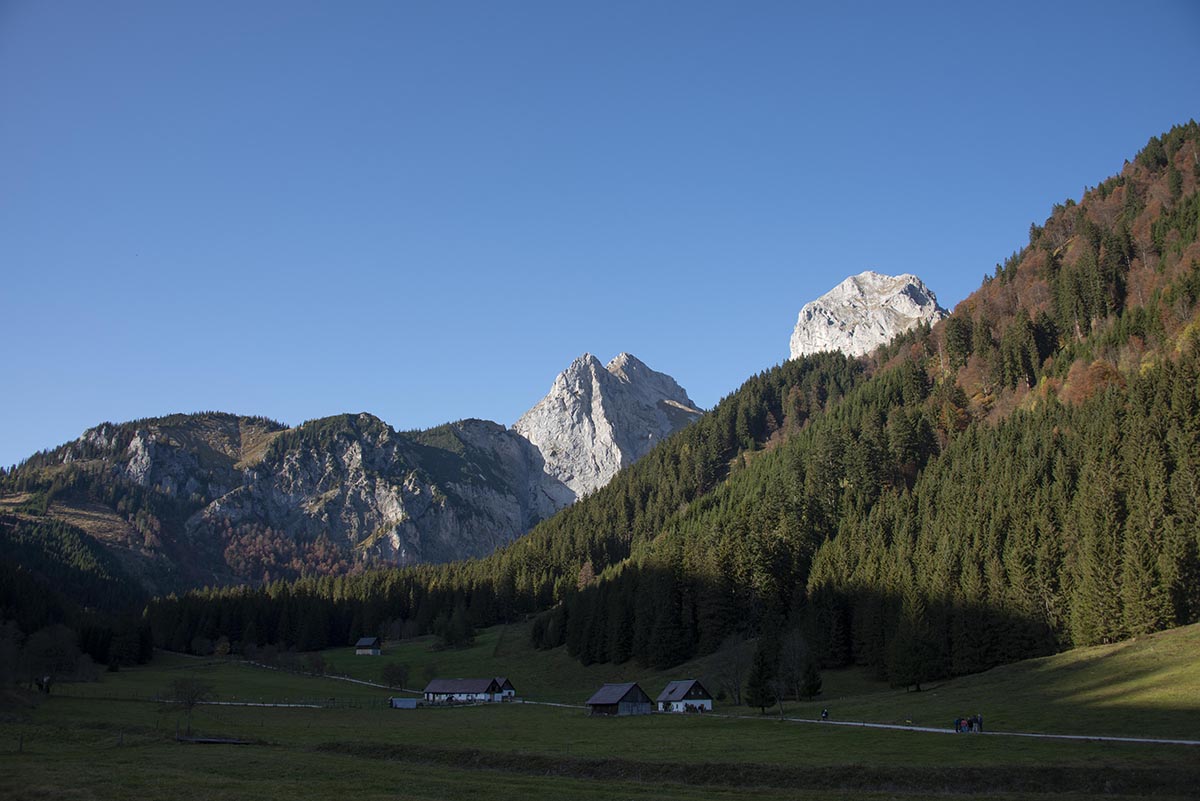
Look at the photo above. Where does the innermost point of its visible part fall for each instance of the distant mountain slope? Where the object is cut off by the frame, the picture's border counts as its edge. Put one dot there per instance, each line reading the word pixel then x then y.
pixel 1020 477
pixel 213 498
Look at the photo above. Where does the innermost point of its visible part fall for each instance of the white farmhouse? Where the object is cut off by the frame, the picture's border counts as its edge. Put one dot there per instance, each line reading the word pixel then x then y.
pixel 463 691
pixel 686 695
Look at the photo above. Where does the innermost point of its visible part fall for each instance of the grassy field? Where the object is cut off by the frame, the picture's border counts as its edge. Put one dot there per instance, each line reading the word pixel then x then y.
pixel 108 740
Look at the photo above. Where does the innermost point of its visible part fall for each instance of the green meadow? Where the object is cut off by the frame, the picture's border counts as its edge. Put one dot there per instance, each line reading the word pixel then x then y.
pixel 111 740
pixel 1148 687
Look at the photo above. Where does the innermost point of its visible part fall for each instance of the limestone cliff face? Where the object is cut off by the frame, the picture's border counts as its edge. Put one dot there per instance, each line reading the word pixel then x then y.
pixel 353 485
pixel 598 419
pixel 862 313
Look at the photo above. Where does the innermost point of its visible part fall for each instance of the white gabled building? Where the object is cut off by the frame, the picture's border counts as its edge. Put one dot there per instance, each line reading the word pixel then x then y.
pixel 687 695
pixel 462 691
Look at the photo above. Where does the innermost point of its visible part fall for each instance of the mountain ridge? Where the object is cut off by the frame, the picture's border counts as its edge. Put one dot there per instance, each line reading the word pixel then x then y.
pixel 231 498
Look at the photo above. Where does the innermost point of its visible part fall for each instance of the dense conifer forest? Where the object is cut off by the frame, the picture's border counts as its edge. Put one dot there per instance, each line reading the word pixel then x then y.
pixel 1021 478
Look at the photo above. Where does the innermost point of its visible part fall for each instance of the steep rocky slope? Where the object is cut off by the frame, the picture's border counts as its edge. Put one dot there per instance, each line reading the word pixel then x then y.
pixel 597 419
pixel 350 489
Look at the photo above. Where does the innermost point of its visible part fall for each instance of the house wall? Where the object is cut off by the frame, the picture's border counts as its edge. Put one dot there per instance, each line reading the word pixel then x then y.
pixel 699 704
pixel 460 698
pixel 633 708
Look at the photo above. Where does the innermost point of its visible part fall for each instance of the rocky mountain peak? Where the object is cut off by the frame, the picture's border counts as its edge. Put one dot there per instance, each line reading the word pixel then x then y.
pixel 864 312
pixel 597 419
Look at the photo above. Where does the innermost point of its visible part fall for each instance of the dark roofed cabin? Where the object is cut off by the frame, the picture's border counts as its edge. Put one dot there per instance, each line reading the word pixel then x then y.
pixel 686 695
pixel 462 691
pixel 620 699
pixel 367 646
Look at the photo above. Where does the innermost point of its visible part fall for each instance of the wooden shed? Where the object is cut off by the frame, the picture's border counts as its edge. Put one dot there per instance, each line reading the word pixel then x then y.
pixel 368 646
pixel 685 695
pixel 620 699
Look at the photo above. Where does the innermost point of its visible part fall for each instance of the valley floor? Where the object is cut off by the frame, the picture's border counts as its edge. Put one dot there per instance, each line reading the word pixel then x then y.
pixel 111 740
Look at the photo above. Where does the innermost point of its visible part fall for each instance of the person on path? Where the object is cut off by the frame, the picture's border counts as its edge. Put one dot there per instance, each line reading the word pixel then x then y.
pixel 825 713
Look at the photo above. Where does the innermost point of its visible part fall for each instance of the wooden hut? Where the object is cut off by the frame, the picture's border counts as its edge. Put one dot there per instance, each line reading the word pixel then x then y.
pixel 368 646
pixel 685 695
pixel 620 699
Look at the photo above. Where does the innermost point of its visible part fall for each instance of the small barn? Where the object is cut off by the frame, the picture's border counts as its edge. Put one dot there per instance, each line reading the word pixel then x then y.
pixel 462 691
pixel 620 699
pixel 402 703
pixel 507 690
pixel 685 695
pixel 368 646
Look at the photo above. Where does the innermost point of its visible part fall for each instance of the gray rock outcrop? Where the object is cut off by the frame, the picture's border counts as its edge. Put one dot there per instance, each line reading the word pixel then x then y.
pixel 863 312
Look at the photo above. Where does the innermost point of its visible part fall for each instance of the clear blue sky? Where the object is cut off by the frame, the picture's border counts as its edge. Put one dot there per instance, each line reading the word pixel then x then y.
pixel 425 210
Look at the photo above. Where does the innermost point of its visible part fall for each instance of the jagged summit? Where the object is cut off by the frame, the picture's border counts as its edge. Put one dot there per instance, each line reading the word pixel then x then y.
pixel 864 312
pixel 597 419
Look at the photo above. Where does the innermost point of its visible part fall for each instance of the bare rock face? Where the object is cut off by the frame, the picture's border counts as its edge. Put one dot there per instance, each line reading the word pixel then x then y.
pixel 862 313
pixel 597 419
pixel 377 496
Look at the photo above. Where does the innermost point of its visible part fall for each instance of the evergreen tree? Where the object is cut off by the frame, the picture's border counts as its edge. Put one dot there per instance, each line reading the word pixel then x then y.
pixel 760 684
pixel 810 683
pixel 913 652
pixel 1146 601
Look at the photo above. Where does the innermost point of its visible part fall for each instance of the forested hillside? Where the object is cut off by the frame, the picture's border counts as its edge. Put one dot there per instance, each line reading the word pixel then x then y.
pixel 1020 478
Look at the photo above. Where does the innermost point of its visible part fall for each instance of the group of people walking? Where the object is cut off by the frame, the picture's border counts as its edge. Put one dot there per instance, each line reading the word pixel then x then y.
pixel 972 724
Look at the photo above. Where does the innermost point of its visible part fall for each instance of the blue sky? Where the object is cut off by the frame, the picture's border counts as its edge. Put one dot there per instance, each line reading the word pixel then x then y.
pixel 427 210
